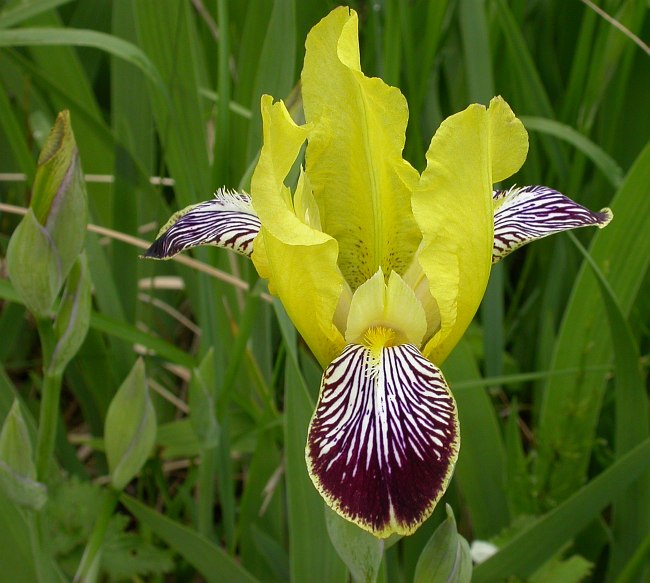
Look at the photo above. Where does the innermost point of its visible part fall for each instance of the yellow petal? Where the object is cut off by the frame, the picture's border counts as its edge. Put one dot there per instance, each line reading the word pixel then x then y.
pixel 305 203
pixel 299 261
pixel 453 207
pixel 308 283
pixel 392 306
pixel 508 140
pixel 354 158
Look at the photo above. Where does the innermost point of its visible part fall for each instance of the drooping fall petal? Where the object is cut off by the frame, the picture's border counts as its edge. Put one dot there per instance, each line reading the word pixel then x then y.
pixel 228 220
pixel 525 214
pixel 384 438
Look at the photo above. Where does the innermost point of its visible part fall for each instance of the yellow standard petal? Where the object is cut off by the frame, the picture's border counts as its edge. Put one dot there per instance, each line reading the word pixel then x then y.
pixel 453 207
pixel 299 261
pixel 354 158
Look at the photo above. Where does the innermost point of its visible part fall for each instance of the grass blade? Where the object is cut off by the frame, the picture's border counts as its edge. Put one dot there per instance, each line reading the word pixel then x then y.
pixel 480 469
pixel 83 38
pixel 571 405
pixel 209 559
pixel 631 513
pixel 603 161
pixel 312 557
pixel 527 551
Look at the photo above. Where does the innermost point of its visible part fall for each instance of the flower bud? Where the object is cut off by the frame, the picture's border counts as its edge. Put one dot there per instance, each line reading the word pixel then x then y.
pixel 49 238
pixel 73 316
pixel 361 551
pixel 130 428
pixel 17 470
pixel 446 555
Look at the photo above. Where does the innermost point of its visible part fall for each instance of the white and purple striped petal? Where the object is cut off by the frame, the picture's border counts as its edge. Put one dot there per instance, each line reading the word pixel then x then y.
pixel 384 438
pixel 228 220
pixel 532 212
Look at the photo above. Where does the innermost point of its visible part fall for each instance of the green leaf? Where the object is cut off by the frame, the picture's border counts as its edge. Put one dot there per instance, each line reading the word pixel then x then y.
pixel 209 559
pixel 132 335
pixel 571 570
pixel 202 402
pixel 519 487
pixel 22 37
pixel 14 135
pixel 446 556
pixel 536 544
pixel 16 556
pixel 312 557
pixel 631 514
pixel 126 555
pixel 276 66
pixel 26 10
pixel 359 550
pixel 603 161
pixel 572 403
pixel 181 127
pixel 480 469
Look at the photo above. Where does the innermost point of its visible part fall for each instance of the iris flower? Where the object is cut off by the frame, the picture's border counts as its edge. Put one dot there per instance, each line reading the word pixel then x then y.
pixel 380 268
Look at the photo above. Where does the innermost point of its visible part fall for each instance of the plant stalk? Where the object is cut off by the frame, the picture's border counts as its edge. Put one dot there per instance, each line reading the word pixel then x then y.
pixel 50 397
pixel 91 552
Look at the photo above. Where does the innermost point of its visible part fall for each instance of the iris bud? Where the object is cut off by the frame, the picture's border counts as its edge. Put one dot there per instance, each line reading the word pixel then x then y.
pixel 50 237
pixel 446 557
pixel 130 428
pixel 17 469
pixel 73 316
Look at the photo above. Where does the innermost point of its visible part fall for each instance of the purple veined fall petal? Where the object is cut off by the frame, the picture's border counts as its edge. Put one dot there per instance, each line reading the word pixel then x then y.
pixel 228 220
pixel 384 438
pixel 525 214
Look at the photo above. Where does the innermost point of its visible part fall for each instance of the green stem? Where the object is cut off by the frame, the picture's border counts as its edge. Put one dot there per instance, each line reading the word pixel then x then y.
pixel 205 510
pixel 91 552
pixel 34 523
pixel 50 396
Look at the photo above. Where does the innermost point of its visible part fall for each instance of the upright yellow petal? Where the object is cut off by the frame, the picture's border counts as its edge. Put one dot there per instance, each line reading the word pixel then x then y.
pixel 299 261
pixel 354 160
pixel 508 140
pixel 453 207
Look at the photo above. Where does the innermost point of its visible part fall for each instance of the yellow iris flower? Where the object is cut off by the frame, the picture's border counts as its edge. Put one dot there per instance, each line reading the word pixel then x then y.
pixel 380 268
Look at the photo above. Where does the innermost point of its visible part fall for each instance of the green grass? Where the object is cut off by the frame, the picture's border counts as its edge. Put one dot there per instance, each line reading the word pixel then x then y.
pixel 551 379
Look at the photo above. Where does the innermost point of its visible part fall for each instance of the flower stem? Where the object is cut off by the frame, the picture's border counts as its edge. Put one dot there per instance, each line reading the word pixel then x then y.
pixel 206 485
pixel 91 552
pixel 50 396
pixel 35 526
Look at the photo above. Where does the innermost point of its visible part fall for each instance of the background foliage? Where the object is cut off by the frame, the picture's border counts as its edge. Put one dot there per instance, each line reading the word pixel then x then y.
pixel 551 379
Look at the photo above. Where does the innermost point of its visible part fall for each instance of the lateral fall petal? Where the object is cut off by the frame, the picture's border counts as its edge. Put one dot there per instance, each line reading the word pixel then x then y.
pixel 525 214
pixel 228 220
pixel 384 438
